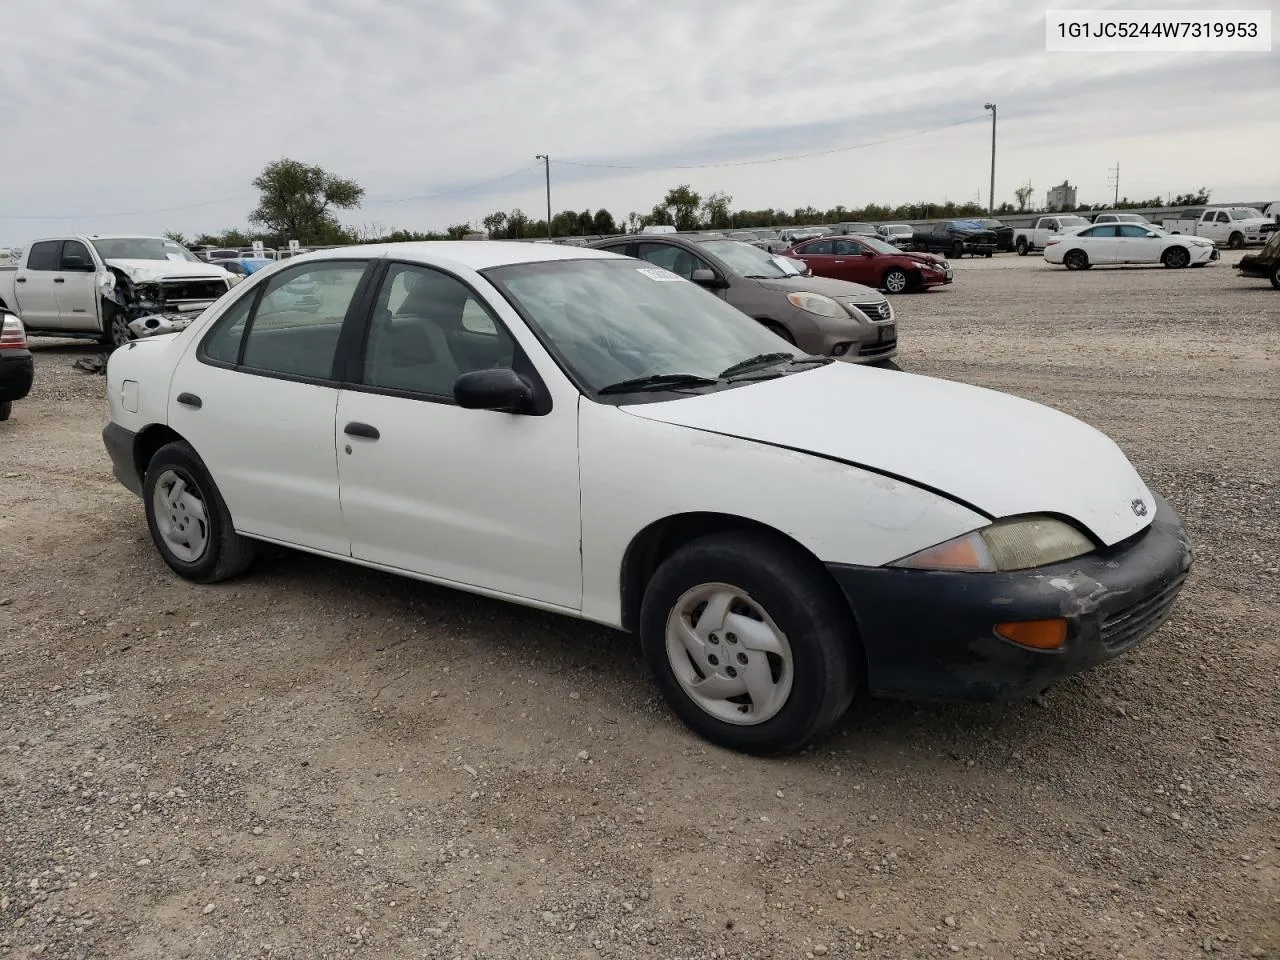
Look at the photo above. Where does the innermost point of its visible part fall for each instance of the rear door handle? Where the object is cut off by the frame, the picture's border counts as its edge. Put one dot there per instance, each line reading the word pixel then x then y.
pixel 190 400
pixel 355 429
pixel 19 279
pixel 59 279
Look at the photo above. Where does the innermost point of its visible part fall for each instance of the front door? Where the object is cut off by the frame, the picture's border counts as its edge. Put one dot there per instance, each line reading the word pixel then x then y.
pixel 257 397
pixel 35 288
pixel 856 262
pixel 1136 246
pixel 76 287
pixel 473 497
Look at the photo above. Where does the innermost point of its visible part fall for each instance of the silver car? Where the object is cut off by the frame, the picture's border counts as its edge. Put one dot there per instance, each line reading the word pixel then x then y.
pixel 823 317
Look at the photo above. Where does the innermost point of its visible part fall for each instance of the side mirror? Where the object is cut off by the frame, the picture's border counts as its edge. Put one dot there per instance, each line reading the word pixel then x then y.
pixel 1152 236
pixel 706 277
pixel 868 253
pixel 499 389
pixel 77 264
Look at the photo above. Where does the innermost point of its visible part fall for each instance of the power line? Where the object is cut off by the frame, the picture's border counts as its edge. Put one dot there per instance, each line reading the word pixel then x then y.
pixel 749 163
pixel 449 193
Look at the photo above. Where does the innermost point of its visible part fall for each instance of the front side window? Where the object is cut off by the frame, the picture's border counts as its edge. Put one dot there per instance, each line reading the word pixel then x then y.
pixel 75 256
pixel 1107 230
pixel 293 329
pixel 428 329
pixel 1132 230
pixel 1222 217
pixel 44 255
pixel 671 257
pixel 614 320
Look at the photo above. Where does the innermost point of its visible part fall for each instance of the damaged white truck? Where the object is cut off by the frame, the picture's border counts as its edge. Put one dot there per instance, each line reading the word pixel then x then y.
pixel 110 288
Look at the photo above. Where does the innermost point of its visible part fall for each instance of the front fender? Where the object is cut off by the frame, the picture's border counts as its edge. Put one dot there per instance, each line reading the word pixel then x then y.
pixel 636 471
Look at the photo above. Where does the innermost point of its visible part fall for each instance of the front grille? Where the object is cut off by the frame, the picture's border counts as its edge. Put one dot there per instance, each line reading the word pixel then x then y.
pixel 875 349
pixel 878 311
pixel 176 291
pixel 1130 624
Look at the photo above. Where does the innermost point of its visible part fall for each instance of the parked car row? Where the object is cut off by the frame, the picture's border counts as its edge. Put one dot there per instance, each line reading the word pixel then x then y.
pixel 606 437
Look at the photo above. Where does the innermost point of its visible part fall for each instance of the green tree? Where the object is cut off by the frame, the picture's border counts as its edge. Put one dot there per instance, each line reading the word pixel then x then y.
pixel 603 224
pixel 1023 193
pixel 683 202
pixel 716 213
pixel 519 226
pixel 496 224
pixel 297 201
pixel 176 237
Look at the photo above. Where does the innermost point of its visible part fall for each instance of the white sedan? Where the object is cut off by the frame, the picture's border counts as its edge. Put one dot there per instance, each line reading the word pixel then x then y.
pixel 594 435
pixel 1128 243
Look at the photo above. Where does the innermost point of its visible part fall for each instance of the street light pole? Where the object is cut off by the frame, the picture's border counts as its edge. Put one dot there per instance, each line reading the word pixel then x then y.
pixel 546 162
pixel 991 197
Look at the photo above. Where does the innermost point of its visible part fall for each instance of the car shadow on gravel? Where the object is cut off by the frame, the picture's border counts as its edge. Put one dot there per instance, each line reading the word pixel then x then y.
pixel 577 655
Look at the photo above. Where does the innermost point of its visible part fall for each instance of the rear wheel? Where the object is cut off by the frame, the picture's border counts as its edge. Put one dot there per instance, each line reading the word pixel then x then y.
pixel 957 250
pixel 748 642
pixel 896 280
pixel 1022 247
pixel 1236 241
pixel 1076 260
pixel 1176 257
pixel 189 522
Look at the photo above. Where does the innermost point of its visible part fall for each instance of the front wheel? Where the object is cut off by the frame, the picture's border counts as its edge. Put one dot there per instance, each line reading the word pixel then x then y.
pixel 1176 257
pixel 780 330
pixel 189 522
pixel 1076 260
pixel 1022 247
pixel 117 333
pixel 747 641
pixel 1275 278
pixel 896 280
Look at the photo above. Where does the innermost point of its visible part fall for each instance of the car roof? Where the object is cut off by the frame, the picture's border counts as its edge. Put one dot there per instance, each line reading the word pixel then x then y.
pixel 475 254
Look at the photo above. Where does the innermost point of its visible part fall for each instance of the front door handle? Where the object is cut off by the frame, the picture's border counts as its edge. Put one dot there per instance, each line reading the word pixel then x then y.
pixel 59 279
pixel 355 429
pixel 190 400
pixel 19 279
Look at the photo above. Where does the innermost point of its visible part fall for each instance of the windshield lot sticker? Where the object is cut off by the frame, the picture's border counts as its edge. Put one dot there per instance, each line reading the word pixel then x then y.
pixel 657 273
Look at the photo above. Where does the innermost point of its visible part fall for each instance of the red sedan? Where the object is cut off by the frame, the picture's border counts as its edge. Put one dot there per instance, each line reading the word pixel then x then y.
pixel 873 263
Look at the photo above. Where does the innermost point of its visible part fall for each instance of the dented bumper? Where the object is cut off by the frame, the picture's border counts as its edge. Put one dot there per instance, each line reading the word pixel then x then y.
pixel 931 635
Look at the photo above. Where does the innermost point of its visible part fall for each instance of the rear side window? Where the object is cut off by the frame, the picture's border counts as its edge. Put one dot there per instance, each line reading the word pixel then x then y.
pixel 819 248
pixel 294 329
pixel 44 255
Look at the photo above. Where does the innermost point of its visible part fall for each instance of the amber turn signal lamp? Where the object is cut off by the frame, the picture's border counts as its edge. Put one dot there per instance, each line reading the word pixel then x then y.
pixel 1037 634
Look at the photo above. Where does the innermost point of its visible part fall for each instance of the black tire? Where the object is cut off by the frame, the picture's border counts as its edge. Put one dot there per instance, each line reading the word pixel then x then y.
pixel 1176 258
pixel 957 250
pixel 1022 247
pixel 1236 241
pixel 117 333
pixel 989 254
pixel 226 552
pixel 792 590
pixel 6 408
pixel 1076 260
pixel 780 330
pixel 896 280
pixel 1275 278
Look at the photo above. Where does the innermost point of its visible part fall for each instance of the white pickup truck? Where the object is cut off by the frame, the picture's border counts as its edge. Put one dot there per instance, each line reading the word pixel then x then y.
pixel 1233 227
pixel 1036 237
pixel 77 286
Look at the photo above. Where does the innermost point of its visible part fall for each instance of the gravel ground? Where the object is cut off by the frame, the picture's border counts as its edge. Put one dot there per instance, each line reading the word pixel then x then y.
pixel 322 761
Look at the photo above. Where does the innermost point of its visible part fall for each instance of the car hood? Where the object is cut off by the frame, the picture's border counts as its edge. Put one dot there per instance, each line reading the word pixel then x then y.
pixel 843 289
pixel 147 271
pixel 998 453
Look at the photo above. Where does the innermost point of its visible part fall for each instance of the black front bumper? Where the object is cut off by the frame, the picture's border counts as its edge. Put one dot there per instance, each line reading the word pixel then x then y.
pixel 16 373
pixel 120 447
pixel 931 635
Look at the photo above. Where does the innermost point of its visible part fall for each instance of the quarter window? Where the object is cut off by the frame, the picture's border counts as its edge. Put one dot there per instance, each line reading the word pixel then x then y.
pixel 428 329
pixel 223 344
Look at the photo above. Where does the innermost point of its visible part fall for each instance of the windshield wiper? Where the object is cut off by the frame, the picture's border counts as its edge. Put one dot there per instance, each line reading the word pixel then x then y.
pixel 658 381
pixel 759 360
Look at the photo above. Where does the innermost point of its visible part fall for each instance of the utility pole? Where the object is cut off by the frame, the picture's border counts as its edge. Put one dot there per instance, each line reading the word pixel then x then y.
pixel 1113 178
pixel 991 197
pixel 546 163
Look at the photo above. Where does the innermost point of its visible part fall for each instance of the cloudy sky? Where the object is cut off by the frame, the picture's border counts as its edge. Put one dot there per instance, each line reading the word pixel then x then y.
pixel 149 115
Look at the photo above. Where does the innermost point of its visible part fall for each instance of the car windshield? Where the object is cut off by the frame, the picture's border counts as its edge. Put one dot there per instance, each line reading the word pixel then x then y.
pixel 612 320
pixel 899 228
pixel 744 259
pixel 968 225
pixel 860 228
pixel 1073 222
pixel 767 234
pixel 142 248
pixel 1245 213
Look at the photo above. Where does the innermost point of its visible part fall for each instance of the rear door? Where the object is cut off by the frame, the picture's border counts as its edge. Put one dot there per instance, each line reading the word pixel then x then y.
pixel 35 285
pixel 76 286
pixel 257 397
pixel 821 258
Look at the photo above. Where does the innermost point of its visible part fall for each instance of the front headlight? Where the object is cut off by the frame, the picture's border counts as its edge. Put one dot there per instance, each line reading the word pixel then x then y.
pixel 817 304
pixel 1015 544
